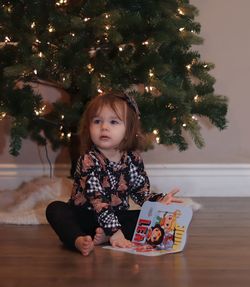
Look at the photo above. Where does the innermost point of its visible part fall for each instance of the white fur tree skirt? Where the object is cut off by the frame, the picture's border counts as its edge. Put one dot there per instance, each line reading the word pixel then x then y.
pixel 27 203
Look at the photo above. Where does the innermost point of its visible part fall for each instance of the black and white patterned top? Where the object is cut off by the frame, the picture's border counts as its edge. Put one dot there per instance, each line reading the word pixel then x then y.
pixel 105 186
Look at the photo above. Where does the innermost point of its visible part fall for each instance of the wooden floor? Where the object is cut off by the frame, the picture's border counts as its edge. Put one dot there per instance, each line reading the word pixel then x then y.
pixel 217 254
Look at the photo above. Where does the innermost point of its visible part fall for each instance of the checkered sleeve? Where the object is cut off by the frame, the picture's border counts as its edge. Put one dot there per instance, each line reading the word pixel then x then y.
pixel 105 215
pixel 140 188
pixel 88 187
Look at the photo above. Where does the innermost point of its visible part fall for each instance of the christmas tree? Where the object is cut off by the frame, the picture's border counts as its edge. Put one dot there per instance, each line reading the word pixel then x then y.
pixel 87 47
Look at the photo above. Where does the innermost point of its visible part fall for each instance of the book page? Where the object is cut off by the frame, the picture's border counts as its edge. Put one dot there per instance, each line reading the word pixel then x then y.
pixel 161 229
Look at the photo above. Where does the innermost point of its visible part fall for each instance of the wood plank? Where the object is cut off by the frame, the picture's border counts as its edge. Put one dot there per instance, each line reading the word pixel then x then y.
pixel 217 254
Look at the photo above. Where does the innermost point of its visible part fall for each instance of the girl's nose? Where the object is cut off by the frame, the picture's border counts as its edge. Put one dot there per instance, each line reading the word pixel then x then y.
pixel 104 126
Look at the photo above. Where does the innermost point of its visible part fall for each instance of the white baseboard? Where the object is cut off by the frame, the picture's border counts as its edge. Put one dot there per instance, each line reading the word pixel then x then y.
pixel 202 179
pixel 193 179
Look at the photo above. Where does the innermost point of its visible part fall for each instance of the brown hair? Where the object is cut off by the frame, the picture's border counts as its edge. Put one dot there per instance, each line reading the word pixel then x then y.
pixel 133 139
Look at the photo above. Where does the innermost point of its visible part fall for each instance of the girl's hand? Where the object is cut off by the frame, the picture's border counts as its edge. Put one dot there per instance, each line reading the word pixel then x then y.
pixel 170 198
pixel 118 240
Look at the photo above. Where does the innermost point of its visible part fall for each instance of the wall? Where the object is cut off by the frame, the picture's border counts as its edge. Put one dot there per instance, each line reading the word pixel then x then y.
pixel 225 29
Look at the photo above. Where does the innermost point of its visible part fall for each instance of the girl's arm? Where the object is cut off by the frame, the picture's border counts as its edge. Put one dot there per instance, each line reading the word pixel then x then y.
pixel 141 188
pixel 87 189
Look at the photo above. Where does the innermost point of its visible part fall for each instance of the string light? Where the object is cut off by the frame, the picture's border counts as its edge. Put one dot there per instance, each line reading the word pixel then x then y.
pixel 145 43
pixel 86 19
pixel 157 139
pixel 2 115
pixel 107 27
pixel 39 111
pixel 51 28
pixel 180 11
pixel 150 88
pixel 90 68
pixel 33 25
pixel 151 74
pixel 7 39
pixel 9 9
pixel 61 2
pixel 189 66
pixel 99 91
pixel 184 125
pixel 40 54
pixel 197 98
pixel 194 118
pixel 120 49
pixel 181 29
pixel 170 106
pixel 35 71
pixel 155 132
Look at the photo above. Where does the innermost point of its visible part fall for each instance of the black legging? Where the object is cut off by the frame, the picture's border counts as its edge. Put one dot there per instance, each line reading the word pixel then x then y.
pixel 69 222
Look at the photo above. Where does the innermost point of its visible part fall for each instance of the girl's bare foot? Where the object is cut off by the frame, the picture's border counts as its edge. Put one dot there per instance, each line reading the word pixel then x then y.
pixel 100 236
pixel 84 244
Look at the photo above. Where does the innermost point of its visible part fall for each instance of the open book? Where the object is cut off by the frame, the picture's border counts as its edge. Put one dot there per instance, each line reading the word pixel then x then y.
pixel 160 229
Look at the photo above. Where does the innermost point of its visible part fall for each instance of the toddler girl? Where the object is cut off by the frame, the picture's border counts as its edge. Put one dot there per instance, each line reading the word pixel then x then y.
pixel 109 171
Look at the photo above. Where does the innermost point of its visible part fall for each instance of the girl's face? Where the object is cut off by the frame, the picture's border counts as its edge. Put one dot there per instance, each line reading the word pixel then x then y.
pixel 107 128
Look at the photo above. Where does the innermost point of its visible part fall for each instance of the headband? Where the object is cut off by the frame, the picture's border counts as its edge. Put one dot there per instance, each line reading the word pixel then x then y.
pixel 131 102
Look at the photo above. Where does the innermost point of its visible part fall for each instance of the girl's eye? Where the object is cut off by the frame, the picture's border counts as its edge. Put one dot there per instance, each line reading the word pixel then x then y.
pixel 114 122
pixel 96 121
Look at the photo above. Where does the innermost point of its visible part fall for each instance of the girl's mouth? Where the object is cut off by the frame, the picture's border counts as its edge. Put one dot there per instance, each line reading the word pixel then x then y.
pixel 104 137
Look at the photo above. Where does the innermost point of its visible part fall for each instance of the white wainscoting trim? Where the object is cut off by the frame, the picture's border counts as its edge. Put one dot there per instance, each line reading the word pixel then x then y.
pixel 192 179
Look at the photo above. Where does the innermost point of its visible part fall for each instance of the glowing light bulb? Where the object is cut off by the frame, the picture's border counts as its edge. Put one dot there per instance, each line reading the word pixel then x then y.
pixel 180 11
pixel 90 68
pixel 157 139
pixel 2 115
pixel 33 25
pixel 196 98
pixel 6 39
pixel 155 132
pixel 181 29
pixel 151 74
pixel 51 29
